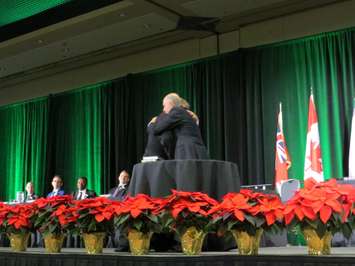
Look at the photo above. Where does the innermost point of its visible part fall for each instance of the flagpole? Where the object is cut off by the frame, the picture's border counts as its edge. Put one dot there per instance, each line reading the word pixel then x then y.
pixel 278 117
pixel 352 145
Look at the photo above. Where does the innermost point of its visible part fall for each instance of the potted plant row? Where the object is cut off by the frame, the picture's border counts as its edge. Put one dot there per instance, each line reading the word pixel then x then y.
pixel 320 209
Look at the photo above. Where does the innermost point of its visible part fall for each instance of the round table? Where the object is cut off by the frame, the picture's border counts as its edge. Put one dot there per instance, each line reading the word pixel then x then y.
pixel 216 178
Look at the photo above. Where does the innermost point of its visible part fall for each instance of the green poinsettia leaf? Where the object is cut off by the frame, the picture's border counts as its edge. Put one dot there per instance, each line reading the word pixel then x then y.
pixel 230 225
pixel 138 225
pixel 92 226
pixel 250 219
pixel 321 229
pixel 259 221
pixel 153 218
pixel 121 220
pixel 346 230
pixel 313 224
pixel 83 215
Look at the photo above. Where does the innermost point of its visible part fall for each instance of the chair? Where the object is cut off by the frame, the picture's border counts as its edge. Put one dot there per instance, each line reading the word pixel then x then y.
pixel 288 188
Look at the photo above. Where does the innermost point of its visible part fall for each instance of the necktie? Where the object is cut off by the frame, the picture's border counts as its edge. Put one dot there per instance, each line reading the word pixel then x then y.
pixel 80 195
pixel 114 195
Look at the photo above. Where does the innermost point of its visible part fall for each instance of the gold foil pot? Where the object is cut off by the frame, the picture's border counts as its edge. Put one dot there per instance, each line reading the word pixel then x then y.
pixel 247 244
pixel 317 245
pixel 53 243
pixel 192 240
pixel 139 242
pixel 94 242
pixel 19 241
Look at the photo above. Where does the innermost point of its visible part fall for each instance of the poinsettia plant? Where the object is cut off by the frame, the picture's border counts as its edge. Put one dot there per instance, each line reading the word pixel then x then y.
pixel 139 213
pixel 249 211
pixel 48 218
pixel 183 209
pixel 322 206
pixel 16 218
pixel 93 215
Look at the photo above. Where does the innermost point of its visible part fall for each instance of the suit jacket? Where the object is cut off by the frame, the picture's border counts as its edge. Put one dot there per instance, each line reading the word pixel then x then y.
pixel 162 145
pixel 189 144
pixel 154 147
pixel 60 193
pixel 31 197
pixel 89 194
pixel 121 193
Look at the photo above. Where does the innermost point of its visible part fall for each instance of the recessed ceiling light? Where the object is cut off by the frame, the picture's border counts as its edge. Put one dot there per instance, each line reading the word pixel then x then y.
pixel 123 14
pixel 40 41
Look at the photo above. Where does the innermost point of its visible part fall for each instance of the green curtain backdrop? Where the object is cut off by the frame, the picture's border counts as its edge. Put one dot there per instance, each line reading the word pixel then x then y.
pixel 99 130
pixel 287 72
pixel 23 142
pixel 75 135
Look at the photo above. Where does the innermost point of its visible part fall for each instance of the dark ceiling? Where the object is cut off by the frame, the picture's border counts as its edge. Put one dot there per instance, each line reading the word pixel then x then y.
pixel 18 17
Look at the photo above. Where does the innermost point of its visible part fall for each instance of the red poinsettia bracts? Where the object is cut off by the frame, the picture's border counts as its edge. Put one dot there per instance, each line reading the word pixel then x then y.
pixel 270 207
pixel 100 208
pixel 140 213
pixel 66 215
pixel 137 205
pixel 319 201
pixel 191 202
pixel 49 216
pixel 16 217
pixel 232 203
pixel 247 203
pixel 52 201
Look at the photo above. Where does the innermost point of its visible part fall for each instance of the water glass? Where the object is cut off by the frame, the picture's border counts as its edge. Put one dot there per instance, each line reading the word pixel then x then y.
pixel 20 196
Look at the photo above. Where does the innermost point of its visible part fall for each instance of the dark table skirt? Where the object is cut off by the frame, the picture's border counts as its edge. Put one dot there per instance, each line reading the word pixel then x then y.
pixel 216 178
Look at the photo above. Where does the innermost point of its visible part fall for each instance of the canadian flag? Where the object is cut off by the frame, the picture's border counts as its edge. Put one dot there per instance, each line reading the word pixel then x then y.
pixel 313 160
pixel 282 158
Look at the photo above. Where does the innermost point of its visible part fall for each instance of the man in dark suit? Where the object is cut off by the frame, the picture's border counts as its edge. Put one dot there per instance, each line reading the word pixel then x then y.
pixel 83 192
pixel 120 191
pixel 189 144
pixel 30 194
pixel 159 145
pixel 57 184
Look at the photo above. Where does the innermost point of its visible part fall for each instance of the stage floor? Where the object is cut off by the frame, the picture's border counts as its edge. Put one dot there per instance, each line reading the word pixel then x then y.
pixel 281 256
pixel 272 251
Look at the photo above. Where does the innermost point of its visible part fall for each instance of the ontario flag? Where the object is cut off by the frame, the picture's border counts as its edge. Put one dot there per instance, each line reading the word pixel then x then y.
pixel 282 158
pixel 313 166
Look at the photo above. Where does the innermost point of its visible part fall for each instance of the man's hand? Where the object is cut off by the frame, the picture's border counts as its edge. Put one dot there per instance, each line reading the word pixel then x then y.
pixel 154 119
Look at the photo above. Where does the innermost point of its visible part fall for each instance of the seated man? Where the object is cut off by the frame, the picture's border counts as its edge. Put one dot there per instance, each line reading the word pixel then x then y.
pixel 30 195
pixel 83 192
pixel 57 184
pixel 120 191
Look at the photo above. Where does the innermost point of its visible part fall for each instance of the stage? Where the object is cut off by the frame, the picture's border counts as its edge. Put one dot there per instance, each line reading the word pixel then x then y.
pixel 267 256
